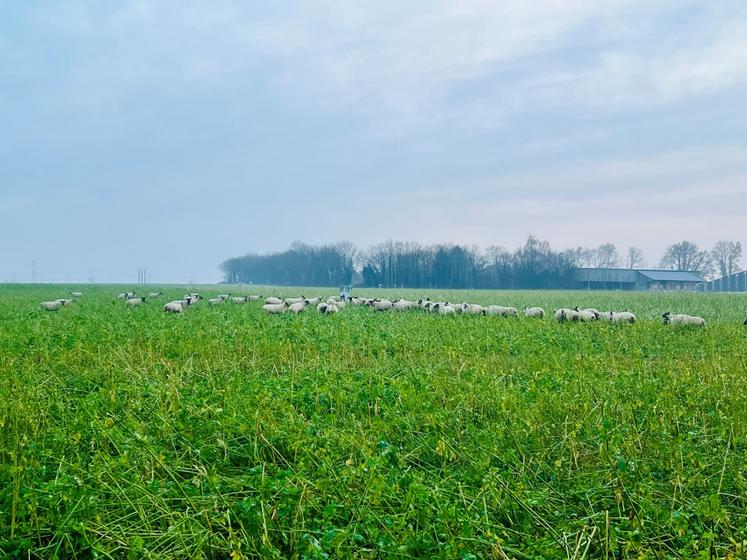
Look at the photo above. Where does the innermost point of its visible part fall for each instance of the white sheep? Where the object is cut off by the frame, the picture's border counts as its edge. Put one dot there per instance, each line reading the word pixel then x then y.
pixel 297 307
pixel 66 301
pixel 534 312
pixel 272 301
pixel 52 305
pixel 134 302
pixel 126 295
pixel 155 295
pixel 215 301
pixel 274 308
pixel 76 294
pixel 401 305
pixel 622 317
pixel 501 311
pixel 327 308
pixel 682 319
pixel 292 300
pixel 474 309
pixel 564 314
pixel 241 299
pixel 444 308
pixel 586 315
pixel 173 307
pixel 381 304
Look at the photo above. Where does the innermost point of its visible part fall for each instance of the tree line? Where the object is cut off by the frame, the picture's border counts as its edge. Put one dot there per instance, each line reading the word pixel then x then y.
pixel 398 264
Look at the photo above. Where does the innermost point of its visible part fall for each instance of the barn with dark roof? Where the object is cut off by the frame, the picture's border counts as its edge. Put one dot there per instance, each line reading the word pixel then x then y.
pixel 631 279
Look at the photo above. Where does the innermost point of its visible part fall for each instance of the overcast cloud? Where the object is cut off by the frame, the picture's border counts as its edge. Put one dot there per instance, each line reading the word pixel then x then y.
pixel 172 135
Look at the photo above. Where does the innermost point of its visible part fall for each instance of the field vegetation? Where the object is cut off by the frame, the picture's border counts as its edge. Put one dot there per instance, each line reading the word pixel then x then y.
pixel 228 433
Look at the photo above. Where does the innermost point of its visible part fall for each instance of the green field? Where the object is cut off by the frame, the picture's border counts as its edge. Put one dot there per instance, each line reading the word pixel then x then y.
pixel 229 433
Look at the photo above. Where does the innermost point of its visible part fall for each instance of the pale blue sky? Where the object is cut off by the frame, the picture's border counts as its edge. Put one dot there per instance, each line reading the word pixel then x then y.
pixel 171 135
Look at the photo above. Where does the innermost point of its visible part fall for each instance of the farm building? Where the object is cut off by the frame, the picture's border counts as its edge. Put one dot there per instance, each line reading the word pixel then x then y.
pixel 734 283
pixel 630 279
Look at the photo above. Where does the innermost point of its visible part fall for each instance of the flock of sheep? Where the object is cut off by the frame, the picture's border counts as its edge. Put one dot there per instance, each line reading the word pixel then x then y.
pixel 296 305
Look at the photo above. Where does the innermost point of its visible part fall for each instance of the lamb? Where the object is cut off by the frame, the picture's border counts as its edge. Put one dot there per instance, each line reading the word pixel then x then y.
pixel 275 308
pixel 297 307
pixel 313 301
pixel 253 298
pixel 534 312
pixel 607 316
pixel 271 300
pixel 66 301
pixel 424 303
pixel 682 319
pixel 622 317
pixel 134 302
pixel 154 295
pixel 327 308
pixel 192 299
pixel 215 301
pixel 173 307
pixel 292 300
pixel 52 305
pixel 126 295
pixel 340 304
pixel 241 299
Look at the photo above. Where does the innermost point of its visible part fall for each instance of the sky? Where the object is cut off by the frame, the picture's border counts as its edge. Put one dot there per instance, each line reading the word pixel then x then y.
pixel 171 135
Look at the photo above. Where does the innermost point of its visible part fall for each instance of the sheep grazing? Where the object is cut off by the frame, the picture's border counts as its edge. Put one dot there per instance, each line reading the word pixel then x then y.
pixel 297 307
pixel 215 301
pixel 474 309
pixel 173 307
pixel 241 299
pixel 424 303
pixel 155 295
pixel 534 312
pixel 501 311
pixel 274 308
pixel 193 297
pixel 381 304
pixel 134 302
pixel 76 294
pixel 622 317
pixel 292 300
pixel 327 308
pixel 586 315
pixel 682 319
pixel 564 314
pixel 401 305
pixel 66 301
pixel 443 308
pixel 126 295
pixel 52 305
pixel 273 301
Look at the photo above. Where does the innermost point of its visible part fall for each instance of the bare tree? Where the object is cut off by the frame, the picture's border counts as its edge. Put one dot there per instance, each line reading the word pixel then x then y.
pixel 726 256
pixel 635 258
pixel 606 256
pixel 687 256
